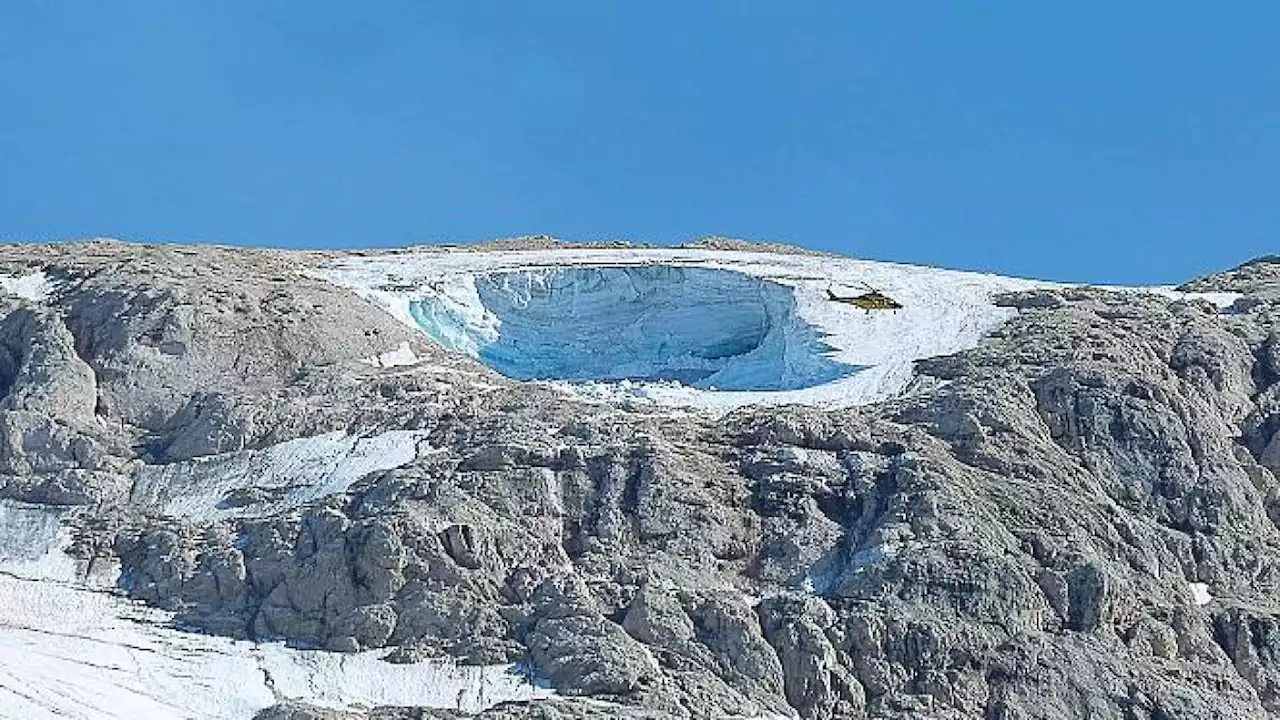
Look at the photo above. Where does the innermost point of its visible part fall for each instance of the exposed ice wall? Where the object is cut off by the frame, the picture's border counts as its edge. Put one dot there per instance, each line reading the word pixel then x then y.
pixel 454 316
pixel 944 311
pixel 705 328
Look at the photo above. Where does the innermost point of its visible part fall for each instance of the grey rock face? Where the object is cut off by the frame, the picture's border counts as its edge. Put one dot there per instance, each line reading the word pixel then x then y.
pixel 558 710
pixel 818 681
pixel 1080 521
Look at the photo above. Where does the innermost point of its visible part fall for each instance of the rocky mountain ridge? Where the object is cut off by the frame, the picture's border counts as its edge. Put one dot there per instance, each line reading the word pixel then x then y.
pixel 1078 518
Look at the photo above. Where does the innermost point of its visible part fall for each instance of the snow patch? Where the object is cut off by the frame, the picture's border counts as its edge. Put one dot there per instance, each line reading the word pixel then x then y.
pixel 340 680
pixel 250 483
pixel 402 356
pixel 33 541
pixel 36 286
pixel 1200 593
pixel 68 651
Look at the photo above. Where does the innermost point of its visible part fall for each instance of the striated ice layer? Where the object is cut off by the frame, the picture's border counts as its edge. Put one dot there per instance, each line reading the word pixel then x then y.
pixel 702 327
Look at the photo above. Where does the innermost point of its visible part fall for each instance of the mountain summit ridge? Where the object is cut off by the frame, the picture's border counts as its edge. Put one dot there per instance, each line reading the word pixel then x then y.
pixel 1070 511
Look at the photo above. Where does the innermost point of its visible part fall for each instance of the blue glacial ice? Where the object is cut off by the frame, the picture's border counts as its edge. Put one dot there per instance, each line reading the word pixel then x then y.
pixel 702 327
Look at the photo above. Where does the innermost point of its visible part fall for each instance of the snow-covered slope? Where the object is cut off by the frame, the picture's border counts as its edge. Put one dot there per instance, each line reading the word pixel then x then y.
pixel 714 329
pixel 71 649
pixel 258 482
pixel 32 286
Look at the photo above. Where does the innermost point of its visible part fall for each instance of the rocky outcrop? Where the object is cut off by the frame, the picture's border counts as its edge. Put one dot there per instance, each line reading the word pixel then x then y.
pixel 558 710
pixel 1078 519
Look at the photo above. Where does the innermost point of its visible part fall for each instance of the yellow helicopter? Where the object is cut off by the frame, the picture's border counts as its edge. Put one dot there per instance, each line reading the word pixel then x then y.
pixel 873 299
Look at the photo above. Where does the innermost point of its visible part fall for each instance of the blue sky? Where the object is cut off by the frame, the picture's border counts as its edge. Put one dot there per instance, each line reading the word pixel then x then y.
pixel 1098 141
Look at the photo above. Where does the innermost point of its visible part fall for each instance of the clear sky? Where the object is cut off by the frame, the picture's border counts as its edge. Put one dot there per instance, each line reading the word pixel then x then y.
pixel 1090 141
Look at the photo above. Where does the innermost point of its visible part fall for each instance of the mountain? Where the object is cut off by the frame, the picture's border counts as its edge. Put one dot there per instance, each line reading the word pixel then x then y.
pixel 538 480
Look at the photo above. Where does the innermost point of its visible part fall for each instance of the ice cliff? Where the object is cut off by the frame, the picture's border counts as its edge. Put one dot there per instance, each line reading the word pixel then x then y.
pixel 701 327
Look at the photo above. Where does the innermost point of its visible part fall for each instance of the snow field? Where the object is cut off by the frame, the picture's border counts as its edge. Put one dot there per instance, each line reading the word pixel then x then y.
pixel 71 651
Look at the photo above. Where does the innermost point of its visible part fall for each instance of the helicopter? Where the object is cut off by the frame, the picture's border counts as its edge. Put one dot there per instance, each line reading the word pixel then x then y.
pixel 873 299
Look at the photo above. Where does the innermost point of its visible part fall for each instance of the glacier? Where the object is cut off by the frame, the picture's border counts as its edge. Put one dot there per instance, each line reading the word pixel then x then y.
pixel 702 327
pixel 661 310
pixel 663 325
pixel 683 327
